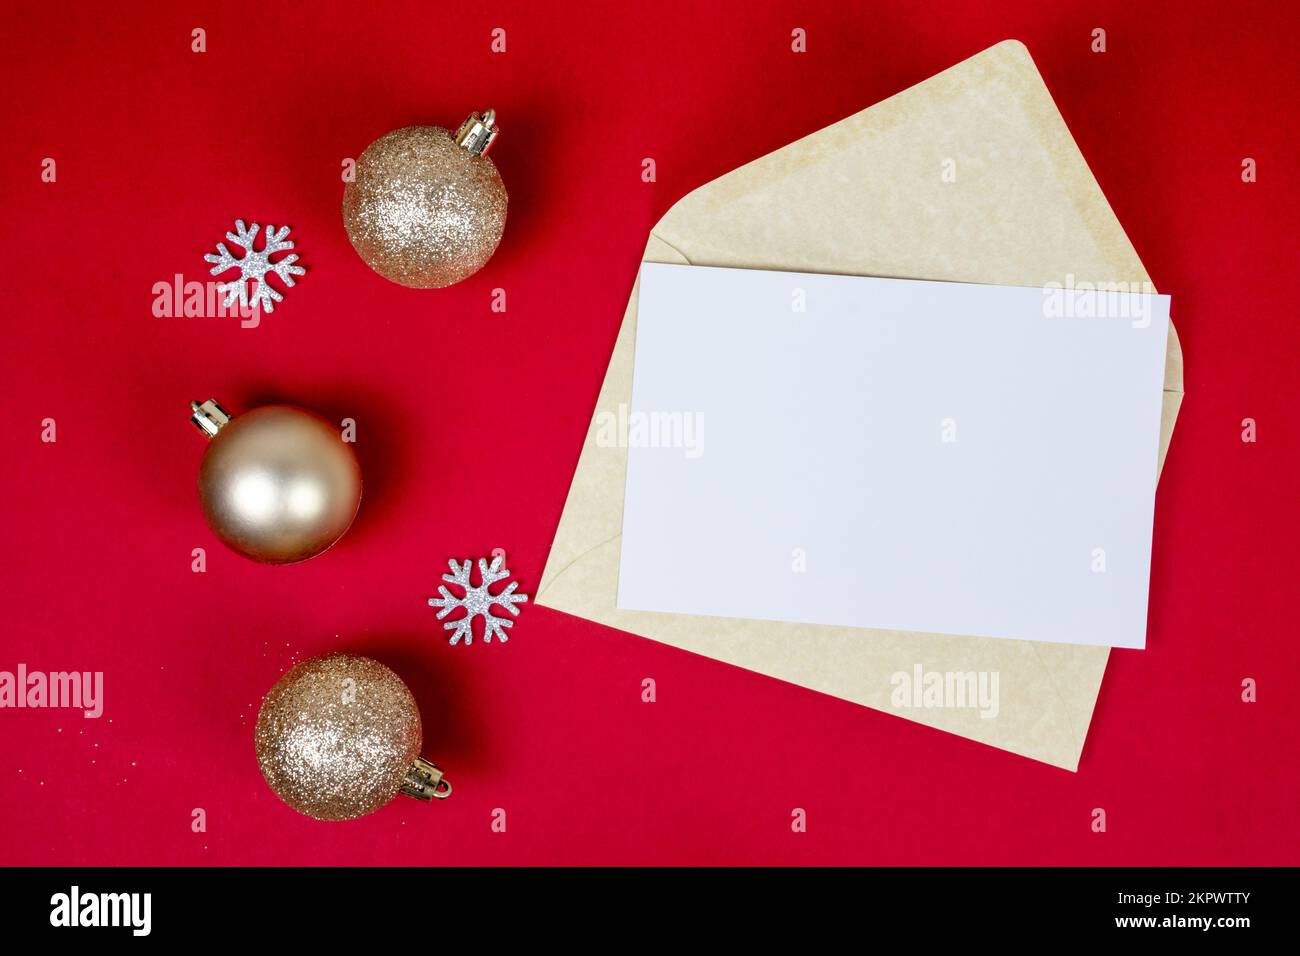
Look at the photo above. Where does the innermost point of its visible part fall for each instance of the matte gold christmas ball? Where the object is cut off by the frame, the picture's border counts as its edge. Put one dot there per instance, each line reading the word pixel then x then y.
pixel 426 207
pixel 277 484
pixel 339 736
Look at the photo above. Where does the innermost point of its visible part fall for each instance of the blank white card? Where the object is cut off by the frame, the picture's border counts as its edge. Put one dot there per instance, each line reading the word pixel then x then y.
pixel 887 453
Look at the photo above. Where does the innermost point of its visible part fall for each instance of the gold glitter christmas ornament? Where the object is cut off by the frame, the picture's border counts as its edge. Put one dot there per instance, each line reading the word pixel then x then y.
pixel 277 484
pixel 339 736
pixel 426 207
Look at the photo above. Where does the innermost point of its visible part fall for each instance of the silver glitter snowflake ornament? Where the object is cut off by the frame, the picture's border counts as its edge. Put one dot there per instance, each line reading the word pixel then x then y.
pixel 478 601
pixel 255 265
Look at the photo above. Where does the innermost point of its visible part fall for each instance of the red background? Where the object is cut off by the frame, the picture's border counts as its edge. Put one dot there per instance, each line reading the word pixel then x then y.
pixel 469 426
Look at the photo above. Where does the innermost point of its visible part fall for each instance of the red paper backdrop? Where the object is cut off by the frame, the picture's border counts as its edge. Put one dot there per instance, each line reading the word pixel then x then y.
pixel 469 426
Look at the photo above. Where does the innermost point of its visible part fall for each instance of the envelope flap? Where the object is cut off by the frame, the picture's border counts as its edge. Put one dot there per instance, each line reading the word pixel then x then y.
pixel 971 176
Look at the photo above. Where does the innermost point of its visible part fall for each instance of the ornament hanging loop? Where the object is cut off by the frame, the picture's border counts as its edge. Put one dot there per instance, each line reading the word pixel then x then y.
pixel 209 417
pixel 478 132
pixel 425 781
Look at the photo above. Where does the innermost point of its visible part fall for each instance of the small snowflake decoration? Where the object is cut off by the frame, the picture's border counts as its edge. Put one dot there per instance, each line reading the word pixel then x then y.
pixel 255 265
pixel 478 600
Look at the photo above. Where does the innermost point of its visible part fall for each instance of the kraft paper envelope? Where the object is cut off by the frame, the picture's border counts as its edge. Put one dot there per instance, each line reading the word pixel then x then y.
pixel 970 176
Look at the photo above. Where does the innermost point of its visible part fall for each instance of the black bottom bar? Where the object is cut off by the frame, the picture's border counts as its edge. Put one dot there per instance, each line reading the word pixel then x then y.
pixel 427 908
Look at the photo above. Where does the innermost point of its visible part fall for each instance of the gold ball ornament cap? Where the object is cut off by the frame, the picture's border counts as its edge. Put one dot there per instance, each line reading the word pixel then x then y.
pixel 426 207
pixel 277 484
pixel 339 736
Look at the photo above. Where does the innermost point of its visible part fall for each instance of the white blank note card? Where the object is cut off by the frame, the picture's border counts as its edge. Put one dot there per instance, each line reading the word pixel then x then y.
pixel 889 453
